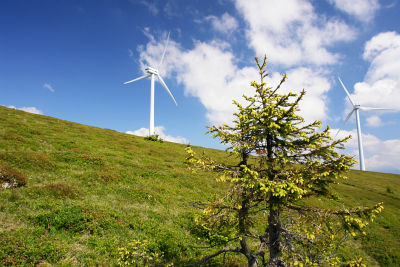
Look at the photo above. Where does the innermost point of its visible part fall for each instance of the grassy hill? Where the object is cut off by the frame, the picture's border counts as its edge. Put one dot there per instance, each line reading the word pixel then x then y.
pixel 90 191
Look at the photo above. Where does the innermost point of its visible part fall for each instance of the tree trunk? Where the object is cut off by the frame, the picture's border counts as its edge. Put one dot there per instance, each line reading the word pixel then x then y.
pixel 251 259
pixel 274 227
pixel 243 213
pixel 244 210
pixel 252 262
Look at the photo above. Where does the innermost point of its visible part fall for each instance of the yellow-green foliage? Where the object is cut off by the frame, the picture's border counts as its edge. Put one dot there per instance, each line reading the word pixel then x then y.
pixel 282 162
pixel 138 254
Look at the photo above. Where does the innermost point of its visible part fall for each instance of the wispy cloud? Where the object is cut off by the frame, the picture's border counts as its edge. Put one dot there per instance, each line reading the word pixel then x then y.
pixel 151 6
pixel 363 10
pixel 28 109
pixel 48 86
pixel 374 121
pixel 130 53
pixel 224 24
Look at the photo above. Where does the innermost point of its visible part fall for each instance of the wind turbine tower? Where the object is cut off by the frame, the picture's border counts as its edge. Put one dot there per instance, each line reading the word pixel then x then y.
pixel 152 73
pixel 356 109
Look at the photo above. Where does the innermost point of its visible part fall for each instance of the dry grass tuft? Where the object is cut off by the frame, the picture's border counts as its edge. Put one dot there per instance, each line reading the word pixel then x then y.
pixel 61 190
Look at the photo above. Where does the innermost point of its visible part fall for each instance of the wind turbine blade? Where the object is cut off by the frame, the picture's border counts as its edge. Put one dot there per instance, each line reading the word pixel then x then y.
pixel 137 79
pixel 344 122
pixel 166 88
pixel 347 92
pixel 165 49
pixel 369 108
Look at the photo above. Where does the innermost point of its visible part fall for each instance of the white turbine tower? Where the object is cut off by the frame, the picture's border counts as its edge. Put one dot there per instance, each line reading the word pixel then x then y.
pixel 153 73
pixel 356 108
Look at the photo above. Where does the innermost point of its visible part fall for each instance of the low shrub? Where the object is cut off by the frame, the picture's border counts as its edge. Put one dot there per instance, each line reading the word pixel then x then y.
pixel 108 177
pixel 61 190
pixel 31 160
pixel 10 177
pixel 28 247
pixel 389 190
pixel 137 253
pixel 12 136
pixel 85 160
pixel 72 219
pixel 154 138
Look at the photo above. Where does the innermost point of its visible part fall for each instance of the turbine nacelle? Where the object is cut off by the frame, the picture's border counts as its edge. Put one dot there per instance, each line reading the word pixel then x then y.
pixel 151 70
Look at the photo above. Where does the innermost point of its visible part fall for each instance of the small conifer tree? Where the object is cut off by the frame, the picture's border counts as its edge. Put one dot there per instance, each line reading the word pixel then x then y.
pixel 275 210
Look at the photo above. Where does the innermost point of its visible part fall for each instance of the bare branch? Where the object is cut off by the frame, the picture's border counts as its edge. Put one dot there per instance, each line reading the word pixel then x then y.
pixel 336 248
pixel 226 243
pixel 205 259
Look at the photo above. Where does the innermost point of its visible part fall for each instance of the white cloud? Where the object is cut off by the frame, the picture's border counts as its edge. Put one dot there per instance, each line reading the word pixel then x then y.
pixel 374 121
pixel 225 24
pixel 160 131
pixel 381 85
pixel 313 106
pixel 379 154
pixel 387 157
pixel 209 71
pixel 291 33
pixel 150 54
pixel 383 51
pixel 28 109
pixel 363 10
pixel 48 86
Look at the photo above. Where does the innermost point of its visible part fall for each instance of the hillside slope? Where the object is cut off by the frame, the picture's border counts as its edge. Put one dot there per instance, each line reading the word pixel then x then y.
pixel 90 191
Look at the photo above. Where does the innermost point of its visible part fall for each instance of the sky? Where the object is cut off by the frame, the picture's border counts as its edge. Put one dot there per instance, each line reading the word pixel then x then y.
pixel 69 59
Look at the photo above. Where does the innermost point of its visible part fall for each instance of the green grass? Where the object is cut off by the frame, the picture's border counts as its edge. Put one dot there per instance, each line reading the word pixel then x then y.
pixel 90 191
pixel 382 240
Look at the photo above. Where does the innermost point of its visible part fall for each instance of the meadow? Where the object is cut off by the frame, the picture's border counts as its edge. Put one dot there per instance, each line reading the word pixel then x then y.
pixel 91 191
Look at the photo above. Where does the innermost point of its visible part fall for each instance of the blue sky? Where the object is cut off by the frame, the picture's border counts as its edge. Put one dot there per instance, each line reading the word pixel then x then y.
pixel 69 60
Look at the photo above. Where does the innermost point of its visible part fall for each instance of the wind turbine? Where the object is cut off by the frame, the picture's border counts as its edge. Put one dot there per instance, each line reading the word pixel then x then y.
pixel 356 108
pixel 152 73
